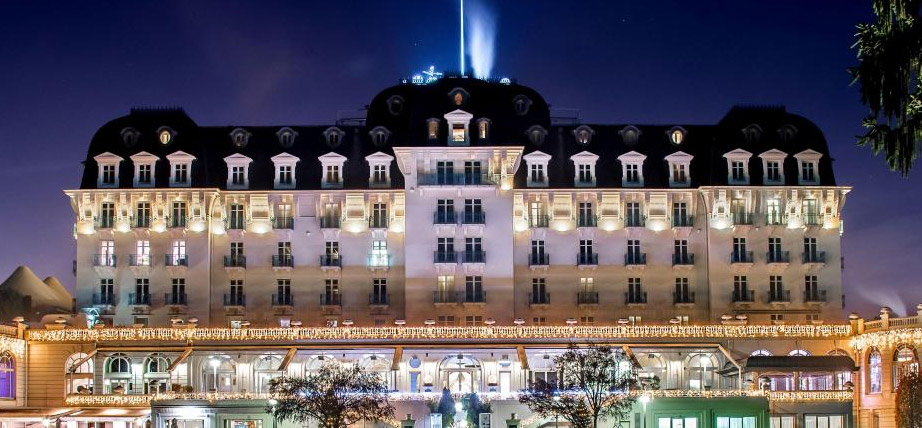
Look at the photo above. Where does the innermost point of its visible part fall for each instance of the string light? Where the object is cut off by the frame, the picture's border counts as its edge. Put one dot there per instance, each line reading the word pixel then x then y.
pixel 17 347
pixel 888 338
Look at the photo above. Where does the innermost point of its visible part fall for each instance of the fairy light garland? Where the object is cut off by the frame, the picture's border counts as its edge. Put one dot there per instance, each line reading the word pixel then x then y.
pixel 17 347
pixel 888 338
pixel 323 334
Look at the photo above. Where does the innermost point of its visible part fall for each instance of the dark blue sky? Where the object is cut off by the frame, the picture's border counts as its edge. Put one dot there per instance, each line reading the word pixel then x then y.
pixel 68 67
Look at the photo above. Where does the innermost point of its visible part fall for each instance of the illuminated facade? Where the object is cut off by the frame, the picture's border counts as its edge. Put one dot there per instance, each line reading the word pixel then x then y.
pixel 458 235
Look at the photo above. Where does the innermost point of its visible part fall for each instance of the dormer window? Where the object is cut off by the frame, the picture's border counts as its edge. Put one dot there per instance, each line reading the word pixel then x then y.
pixel 130 136
pixel 536 135
pixel 432 127
pixel 180 168
pixel 144 169
pixel 773 167
pixel 676 135
pixel 286 137
pixel 333 136
pixel 107 176
pixel 395 105
pixel 483 129
pixel 537 168
pixel 787 133
pixel 752 133
pixel 238 169
pixel 679 164
pixel 808 161
pixel 458 122
pixel 632 169
pixel 458 97
pixel 332 167
pixel 584 163
pixel 165 135
pixel 583 135
pixel 380 167
pixel 522 104
pixel 379 136
pixel 630 135
pixel 738 166
pixel 285 170
pixel 240 137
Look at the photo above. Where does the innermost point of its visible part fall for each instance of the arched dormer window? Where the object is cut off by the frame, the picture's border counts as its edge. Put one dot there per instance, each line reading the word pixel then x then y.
pixel 286 136
pixel 583 135
pixel 7 375
pixel 536 134
pixel 380 136
pixel 787 133
pixel 630 135
pixel 240 137
pixel 752 133
pixel 130 136
pixel 165 135
pixel 333 136
pixel 395 105
pixel 521 104
pixel 874 372
pixel 676 135
pixel 458 97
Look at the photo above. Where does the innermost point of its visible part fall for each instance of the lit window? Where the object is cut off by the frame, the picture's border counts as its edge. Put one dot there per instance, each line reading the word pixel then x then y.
pixel 7 376
pixel 332 174
pixel 165 136
pixel 483 127
pixel 676 136
pixel 874 372
pixel 433 129
pixel 457 132
pixel 583 135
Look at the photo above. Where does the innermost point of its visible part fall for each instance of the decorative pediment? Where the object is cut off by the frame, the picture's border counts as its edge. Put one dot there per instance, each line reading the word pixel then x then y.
pixel 773 154
pixel 107 157
pixel 458 116
pixel 379 158
pixel 179 157
pixel 537 157
pixel 679 157
pixel 632 157
pixel 285 158
pixel 237 159
pixel 585 157
pixel 332 158
pixel 144 157
pixel 738 154
pixel 809 154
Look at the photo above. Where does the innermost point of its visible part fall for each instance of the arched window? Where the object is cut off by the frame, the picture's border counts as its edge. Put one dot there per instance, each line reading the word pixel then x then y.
pixel 460 373
pixel 799 353
pixel 874 372
pixel 536 135
pixel 904 362
pixel 219 373
pixel 165 135
pixel 7 376
pixel 117 374
pixel 701 369
pixel 156 364
pixel 118 363
pixel 156 374
pixel 583 135
pixel 522 104
pixel 79 377
pixel 676 135
pixel 266 369
pixel 761 353
pixel 630 135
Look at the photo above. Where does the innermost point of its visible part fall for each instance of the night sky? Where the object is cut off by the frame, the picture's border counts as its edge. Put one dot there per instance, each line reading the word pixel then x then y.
pixel 66 68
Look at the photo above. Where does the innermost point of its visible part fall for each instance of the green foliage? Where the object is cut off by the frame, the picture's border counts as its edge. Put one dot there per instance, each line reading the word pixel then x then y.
pixel 474 408
pixel 889 77
pixel 446 408
pixel 908 399
pixel 594 382
pixel 335 396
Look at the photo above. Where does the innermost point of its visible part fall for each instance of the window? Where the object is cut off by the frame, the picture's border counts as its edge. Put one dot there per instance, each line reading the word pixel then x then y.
pixel 676 135
pixel 236 296
pixel 178 297
pixel 679 174
pixel 682 294
pixel 178 219
pixel 332 174
pixel 379 291
pixel 539 292
pixel 108 169
pixel 379 174
pixel 285 170
pixel 473 289
pixel 236 218
pixel 536 135
pixel 738 171
pixel 539 321
pixel 432 126
pixel 773 213
pixel 165 136
pixel 118 363
pixel 286 137
pixel 586 215
pixel 458 133
pixel 445 250
pixel 333 136
pixel 180 173
pixel 635 292
pixel 807 171
pixel 583 135
pixel 473 320
pixel 811 212
pixel 521 104
pixel 473 250
pixel 285 176
pixel 106 215
pixel 586 255
pixel 458 122
pixel 142 214
pixel 824 421
pixel 630 135
pixel 379 256
pixel 483 129
pixel 144 174
pixel 740 255
pixel 444 172
pixel 773 171
pixel 236 251
pixel 741 288
pixel 874 372
pixel 446 320
pixel 739 422
pixel 108 174
pixel 677 422
pixel 395 104
pixel 142 256
pixel 584 174
pixel 586 320
pixel 180 167
pixel 809 162
pixel 240 137
pixel 473 172
pixel 633 216
pixel 904 363
pixel 738 166
pixel 473 211
pixel 7 375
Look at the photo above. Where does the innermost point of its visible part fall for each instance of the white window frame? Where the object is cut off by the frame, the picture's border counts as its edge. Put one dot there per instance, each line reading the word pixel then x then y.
pixel 808 157
pixel 144 159
pixel 285 160
pixel 103 160
pixel 738 155
pixel 583 159
pixel 459 117
pixel 238 160
pixel 773 155
pixel 681 160
pixel 539 159
pixel 632 158
pixel 379 159
pixel 176 159
pixel 331 160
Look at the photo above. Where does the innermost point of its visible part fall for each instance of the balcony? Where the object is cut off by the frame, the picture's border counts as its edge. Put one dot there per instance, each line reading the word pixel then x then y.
pixel 444 298
pixel 587 298
pixel 587 259
pixel 775 219
pixel 235 301
pixel 814 258
pixel 379 300
pixel 377 222
pixel 587 221
pixel 683 299
pixel 472 297
pixel 779 297
pixel 235 262
pixel 329 222
pixel 142 222
pixel 176 222
pixel 104 260
pixel 331 261
pixel 139 299
pixel 539 221
pixel 742 296
pixel 139 260
pixel 102 300
pixel 539 299
pixel 175 299
pixel 449 257
pixel 815 297
pixel 539 260
pixel 331 303
pixel 635 299
pixel 635 259
pixel 741 257
pixel 284 262
pixel 474 217
pixel 236 223
pixel 635 221
pixel 283 223
pixel 683 221
pixel 105 222
pixel 444 217
pixel 474 257
pixel 778 257
pixel 813 219
pixel 176 260
pixel 683 260
pixel 741 218
pixel 283 300
pixel 378 261
pixel 457 179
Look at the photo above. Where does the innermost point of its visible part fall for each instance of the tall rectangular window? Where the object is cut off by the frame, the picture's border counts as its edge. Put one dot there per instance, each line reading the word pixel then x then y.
pixel 143 253
pixel 332 174
pixel 807 171
pixel 776 288
pixel 285 175
pixel 444 172
pixel 236 220
pixel 681 290
pixel 773 171
pixel 738 171
pixel 536 172
pixel 774 249
pixel 679 173
pixel 586 215
pixel 810 249
pixel 108 174
pixel 811 211
pixel 539 291
pixel 680 215
pixel 106 215
pixel 633 217
pixel 379 215
pixel 473 173
pixel 584 173
pixel 178 297
pixel 379 174
pixel 141 288
pixel 238 175
pixel 144 174
pixel 178 219
pixel 632 173
pixel 473 289
pixel 180 173
pixel 142 215
pixel 773 213
pixel 379 291
pixel 107 288
pixel 177 255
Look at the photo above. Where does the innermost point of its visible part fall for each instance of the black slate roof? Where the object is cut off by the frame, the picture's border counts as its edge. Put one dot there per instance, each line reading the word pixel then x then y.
pixel 407 124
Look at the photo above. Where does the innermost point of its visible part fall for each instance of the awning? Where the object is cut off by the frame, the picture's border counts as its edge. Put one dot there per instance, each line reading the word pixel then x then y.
pixel 820 363
pixel 33 415
pixel 107 415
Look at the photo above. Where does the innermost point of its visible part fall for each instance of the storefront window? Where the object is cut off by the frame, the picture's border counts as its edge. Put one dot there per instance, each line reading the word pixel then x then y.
pixel 782 422
pixel 677 422
pixel 824 421
pixel 736 422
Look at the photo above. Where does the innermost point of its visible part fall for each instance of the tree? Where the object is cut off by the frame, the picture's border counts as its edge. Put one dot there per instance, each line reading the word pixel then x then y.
pixel 908 397
pixel 593 382
pixel 888 76
pixel 474 408
pixel 336 396
pixel 446 408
